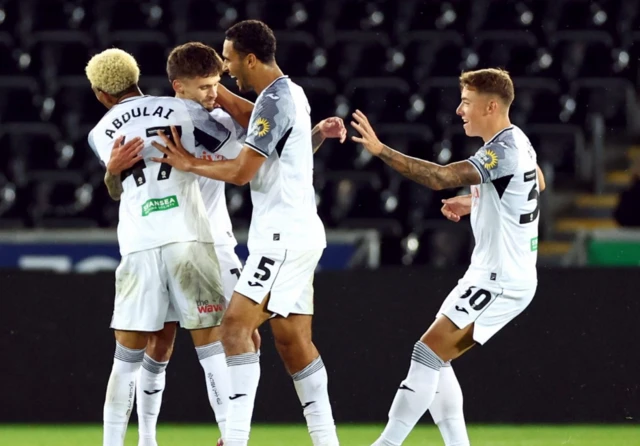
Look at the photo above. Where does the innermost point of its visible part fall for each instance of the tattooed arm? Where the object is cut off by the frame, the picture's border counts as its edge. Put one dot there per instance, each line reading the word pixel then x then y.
pixel 114 185
pixel 432 175
pixel 122 157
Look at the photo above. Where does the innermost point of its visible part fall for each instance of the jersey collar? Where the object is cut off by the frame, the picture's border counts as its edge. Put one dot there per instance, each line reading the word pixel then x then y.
pixel 133 98
pixel 499 133
pixel 284 76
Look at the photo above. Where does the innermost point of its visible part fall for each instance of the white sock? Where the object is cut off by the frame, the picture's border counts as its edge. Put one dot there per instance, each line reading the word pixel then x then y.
pixel 214 364
pixel 121 393
pixel 151 383
pixel 414 396
pixel 311 386
pixel 446 409
pixel 244 374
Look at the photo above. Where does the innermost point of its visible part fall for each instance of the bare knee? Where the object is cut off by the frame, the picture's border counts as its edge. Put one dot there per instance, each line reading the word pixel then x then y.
pixel 292 345
pixel 237 335
pixel 296 352
pixel 160 345
pixel 158 349
pixel 448 341
pixel 132 339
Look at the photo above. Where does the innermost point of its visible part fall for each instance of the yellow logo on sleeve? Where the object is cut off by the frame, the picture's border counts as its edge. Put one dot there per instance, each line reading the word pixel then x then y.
pixel 490 159
pixel 262 127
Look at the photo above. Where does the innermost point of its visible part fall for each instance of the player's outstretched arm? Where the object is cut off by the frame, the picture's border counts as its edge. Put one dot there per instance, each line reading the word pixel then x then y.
pixel 239 108
pixel 429 174
pixel 122 158
pixel 238 171
pixel 328 128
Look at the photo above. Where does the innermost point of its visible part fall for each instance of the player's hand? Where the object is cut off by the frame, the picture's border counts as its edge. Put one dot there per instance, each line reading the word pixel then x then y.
pixel 124 156
pixel 456 207
pixel 367 136
pixel 174 152
pixel 333 128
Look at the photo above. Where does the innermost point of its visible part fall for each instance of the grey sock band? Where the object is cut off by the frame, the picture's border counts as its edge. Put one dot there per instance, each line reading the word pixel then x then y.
pixel 309 370
pixel 209 350
pixel 125 354
pixel 422 354
pixel 153 366
pixel 242 359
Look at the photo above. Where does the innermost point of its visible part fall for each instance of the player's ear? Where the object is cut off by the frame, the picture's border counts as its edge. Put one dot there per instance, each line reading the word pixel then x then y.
pixel 177 86
pixel 251 60
pixel 492 106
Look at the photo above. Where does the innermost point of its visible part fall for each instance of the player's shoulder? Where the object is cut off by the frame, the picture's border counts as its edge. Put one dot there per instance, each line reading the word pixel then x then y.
pixel 279 94
pixel 510 138
pixel 221 115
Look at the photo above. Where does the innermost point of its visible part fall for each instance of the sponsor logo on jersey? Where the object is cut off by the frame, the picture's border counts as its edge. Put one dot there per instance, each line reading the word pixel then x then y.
pixel 490 159
pixel 262 127
pixel 159 204
pixel 205 307
pixel 534 244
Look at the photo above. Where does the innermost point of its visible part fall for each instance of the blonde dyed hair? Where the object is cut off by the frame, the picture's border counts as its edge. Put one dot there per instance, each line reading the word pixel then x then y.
pixel 113 71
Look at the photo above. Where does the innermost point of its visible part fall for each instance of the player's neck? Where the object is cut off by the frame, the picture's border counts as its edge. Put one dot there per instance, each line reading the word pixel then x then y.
pixel 265 76
pixel 496 127
pixel 130 95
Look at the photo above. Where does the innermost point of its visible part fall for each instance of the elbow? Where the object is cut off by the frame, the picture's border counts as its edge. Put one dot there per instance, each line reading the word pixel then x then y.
pixel 240 179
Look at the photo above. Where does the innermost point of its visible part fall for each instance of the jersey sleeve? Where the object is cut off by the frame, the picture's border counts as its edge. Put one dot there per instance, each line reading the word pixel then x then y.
pixel 206 130
pixel 495 161
pixel 271 120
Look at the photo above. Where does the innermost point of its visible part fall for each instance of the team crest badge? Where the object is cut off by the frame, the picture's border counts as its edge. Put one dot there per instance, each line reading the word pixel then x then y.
pixel 262 127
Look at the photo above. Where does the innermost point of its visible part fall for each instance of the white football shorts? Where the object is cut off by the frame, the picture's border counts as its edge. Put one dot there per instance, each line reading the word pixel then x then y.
pixel 285 274
pixel 489 308
pixel 184 276
pixel 230 269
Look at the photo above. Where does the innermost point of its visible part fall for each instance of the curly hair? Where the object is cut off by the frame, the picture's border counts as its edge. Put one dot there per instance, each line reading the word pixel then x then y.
pixel 490 80
pixel 253 37
pixel 193 59
pixel 113 71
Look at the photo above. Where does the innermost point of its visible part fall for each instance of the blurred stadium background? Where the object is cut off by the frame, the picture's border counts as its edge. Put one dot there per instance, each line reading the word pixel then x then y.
pixel 576 69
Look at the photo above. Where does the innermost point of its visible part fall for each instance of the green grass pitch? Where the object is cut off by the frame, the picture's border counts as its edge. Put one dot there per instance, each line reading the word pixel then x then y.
pixel 350 435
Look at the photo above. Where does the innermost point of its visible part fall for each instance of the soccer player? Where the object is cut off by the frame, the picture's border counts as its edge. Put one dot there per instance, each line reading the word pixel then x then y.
pixel 501 281
pixel 286 237
pixel 168 259
pixel 194 71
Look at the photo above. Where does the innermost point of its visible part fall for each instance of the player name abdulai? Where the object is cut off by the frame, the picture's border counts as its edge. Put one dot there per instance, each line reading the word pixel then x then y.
pixel 133 113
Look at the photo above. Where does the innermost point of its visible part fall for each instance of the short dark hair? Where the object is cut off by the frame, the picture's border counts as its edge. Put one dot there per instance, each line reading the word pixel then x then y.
pixel 193 59
pixel 490 80
pixel 253 37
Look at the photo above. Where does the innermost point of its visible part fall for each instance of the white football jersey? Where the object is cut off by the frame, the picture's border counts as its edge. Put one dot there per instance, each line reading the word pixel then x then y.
pixel 213 191
pixel 284 203
pixel 159 205
pixel 505 212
